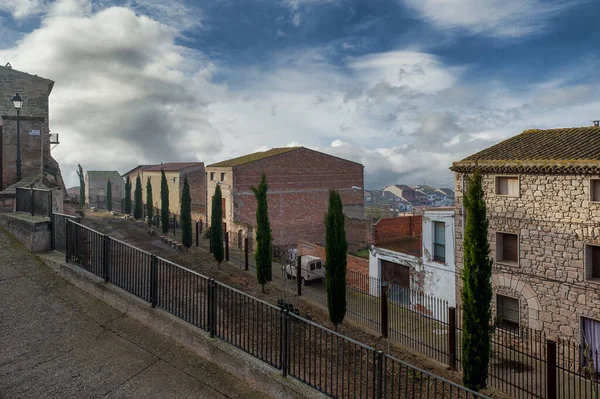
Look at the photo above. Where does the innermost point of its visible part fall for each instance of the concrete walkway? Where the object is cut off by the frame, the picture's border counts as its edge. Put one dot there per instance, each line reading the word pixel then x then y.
pixel 58 342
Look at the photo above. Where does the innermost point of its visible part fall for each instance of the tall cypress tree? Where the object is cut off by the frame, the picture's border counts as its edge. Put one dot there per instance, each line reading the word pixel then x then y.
pixel 336 251
pixel 149 207
pixel 477 288
pixel 109 195
pixel 216 226
pixel 264 238
pixel 137 194
pixel 81 185
pixel 186 215
pixel 127 198
pixel 164 202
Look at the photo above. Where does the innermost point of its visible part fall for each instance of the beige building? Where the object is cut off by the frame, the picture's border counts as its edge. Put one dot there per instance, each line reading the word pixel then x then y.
pixel 542 190
pixel 175 174
pixel 133 174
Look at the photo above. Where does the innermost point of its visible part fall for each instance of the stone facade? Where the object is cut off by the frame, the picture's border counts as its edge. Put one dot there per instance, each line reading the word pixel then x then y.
pixel 35 149
pixel 299 183
pixel 554 219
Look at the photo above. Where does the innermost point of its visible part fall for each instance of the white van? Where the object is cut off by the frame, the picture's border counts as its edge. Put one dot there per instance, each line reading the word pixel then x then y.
pixel 312 269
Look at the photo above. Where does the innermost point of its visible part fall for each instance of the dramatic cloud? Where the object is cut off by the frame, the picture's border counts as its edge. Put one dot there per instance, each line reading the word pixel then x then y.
pixel 21 9
pixel 501 18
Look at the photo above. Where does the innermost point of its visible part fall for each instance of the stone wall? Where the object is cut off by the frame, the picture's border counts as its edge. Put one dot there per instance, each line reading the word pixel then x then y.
pixel 554 220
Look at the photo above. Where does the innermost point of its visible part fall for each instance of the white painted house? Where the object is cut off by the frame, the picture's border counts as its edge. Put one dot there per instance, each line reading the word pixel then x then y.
pixel 423 266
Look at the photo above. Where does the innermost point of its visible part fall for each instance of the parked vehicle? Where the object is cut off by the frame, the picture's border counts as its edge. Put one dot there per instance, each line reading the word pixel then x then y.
pixel 312 269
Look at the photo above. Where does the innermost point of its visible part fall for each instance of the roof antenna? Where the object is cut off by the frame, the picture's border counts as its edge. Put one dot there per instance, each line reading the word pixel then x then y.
pixel 8 65
pixel 596 123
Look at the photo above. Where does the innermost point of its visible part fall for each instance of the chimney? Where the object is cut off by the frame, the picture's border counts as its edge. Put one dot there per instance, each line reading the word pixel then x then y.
pixel 596 123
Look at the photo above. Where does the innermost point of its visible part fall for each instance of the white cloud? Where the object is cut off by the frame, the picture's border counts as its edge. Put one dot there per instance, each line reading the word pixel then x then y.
pixel 501 18
pixel 22 9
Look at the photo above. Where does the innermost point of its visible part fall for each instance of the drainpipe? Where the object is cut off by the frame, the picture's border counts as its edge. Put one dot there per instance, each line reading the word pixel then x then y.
pixel 463 207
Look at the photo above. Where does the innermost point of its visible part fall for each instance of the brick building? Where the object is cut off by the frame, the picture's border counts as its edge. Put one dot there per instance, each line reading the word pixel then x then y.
pixel 34 127
pixel 175 173
pixel 542 190
pixel 299 181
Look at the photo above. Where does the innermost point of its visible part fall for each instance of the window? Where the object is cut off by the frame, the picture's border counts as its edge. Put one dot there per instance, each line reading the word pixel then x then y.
pixel 223 206
pixel 222 176
pixel 212 176
pixel 507 248
pixel 595 190
pixel 439 241
pixel 507 312
pixel 592 261
pixel 507 186
pixel 590 331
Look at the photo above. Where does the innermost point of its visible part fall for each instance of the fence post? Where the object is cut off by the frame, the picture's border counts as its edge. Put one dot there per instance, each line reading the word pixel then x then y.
pixel 32 197
pixel 452 338
pixel 153 279
pixel 246 253
pixel 105 257
pixel 52 231
pixel 212 307
pixel 50 203
pixel 68 239
pixel 550 369
pixel 227 246
pixel 174 225
pixel 384 309
pixel 379 373
pixel 299 275
pixel 197 240
pixel 285 341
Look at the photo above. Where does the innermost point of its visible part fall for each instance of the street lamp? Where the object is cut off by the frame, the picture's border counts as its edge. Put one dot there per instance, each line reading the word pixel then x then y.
pixel 18 103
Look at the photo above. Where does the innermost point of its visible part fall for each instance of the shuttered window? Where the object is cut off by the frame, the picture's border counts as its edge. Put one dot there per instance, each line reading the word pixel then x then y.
pixel 506 185
pixel 507 311
pixel 507 247
pixel 223 206
pixel 595 190
pixel 592 260
pixel 439 241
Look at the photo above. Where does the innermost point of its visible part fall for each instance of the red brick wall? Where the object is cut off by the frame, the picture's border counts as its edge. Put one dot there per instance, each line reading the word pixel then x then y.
pixel 299 183
pixel 358 233
pixel 196 176
pixel 357 267
pixel 393 229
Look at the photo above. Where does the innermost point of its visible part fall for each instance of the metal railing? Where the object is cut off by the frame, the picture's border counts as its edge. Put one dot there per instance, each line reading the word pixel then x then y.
pixel 328 361
pixel 34 200
pixel 59 230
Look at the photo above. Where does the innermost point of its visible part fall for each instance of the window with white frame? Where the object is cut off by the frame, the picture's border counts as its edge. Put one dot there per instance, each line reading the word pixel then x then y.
pixel 507 312
pixel 439 241
pixel 507 248
pixel 507 185
pixel 592 261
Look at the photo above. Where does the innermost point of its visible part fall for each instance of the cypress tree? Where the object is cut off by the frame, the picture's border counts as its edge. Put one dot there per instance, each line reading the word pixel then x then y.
pixel 109 195
pixel 127 196
pixel 164 202
pixel 186 215
pixel 216 226
pixel 477 288
pixel 81 186
pixel 137 206
pixel 264 238
pixel 149 207
pixel 336 252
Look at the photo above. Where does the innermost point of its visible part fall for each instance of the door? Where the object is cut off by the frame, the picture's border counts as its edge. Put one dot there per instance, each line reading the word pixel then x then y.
pixel 591 343
pixel 398 278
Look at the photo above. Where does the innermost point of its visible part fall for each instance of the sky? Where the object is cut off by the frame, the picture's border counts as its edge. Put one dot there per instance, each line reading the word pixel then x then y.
pixel 404 87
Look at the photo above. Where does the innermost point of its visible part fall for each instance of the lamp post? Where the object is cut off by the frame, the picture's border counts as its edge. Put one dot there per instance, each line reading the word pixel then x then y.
pixel 18 103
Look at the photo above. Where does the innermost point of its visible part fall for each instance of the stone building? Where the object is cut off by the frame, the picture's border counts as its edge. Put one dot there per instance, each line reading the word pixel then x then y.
pixel 299 181
pixel 175 172
pixel 542 190
pixel 96 182
pixel 34 128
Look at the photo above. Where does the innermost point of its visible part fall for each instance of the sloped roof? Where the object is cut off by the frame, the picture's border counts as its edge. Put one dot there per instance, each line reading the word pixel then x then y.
pixel 424 188
pixel 173 166
pixel 141 167
pixel 447 191
pixel 553 151
pixel 10 69
pixel 102 174
pixel 257 156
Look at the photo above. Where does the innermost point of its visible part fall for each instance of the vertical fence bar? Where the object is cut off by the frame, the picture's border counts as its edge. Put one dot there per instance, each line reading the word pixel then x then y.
pixel 68 239
pixel 299 276
pixel 227 246
pixel 153 279
pixel 285 341
pixel 452 338
pixel 50 203
pixel 246 253
pixel 212 307
pixel 32 198
pixel 384 309
pixel 105 257
pixel 197 235
pixel 550 369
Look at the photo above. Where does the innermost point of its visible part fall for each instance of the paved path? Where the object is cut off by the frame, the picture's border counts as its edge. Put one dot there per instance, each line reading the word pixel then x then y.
pixel 58 342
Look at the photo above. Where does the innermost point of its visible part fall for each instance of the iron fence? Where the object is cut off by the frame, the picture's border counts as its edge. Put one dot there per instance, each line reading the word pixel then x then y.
pixel 329 362
pixel 59 230
pixel 33 200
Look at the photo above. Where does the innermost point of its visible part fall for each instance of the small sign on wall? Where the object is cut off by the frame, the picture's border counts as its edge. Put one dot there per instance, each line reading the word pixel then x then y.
pixel 34 132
